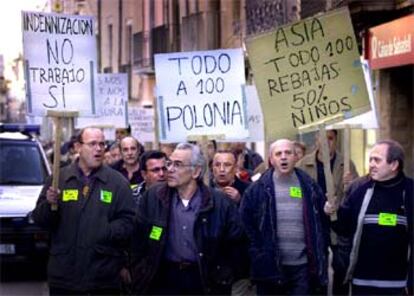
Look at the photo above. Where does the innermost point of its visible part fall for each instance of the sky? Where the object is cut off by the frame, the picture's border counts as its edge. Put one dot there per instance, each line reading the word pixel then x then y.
pixel 10 25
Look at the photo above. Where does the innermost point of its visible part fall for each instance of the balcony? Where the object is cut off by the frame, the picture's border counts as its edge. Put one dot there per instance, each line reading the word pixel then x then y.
pixel 200 31
pixel 145 45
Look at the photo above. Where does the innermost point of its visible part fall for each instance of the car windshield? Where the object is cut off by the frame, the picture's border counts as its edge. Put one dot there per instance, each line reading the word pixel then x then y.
pixel 21 164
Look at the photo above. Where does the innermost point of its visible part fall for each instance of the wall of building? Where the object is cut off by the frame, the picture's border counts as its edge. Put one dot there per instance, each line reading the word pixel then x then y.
pixel 396 109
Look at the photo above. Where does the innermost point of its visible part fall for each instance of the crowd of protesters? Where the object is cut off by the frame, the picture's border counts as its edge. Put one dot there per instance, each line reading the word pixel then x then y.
pixel 128 221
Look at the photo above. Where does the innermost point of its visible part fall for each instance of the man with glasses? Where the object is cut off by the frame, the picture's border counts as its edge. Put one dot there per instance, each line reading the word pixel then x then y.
pixel 186 232
pixel 128 166
pixel 90 217
pixel 153 170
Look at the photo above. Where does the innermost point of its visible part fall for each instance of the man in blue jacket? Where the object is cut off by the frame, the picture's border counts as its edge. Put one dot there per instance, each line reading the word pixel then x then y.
pixel 283 216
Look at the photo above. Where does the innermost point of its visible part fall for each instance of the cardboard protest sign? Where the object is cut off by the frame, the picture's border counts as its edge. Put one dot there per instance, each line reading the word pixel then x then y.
pixel 141 120
pixel 111 100
pixel 367 120
pixel 200 94
pixel 254 115
pixel 307 73
pixel 60 63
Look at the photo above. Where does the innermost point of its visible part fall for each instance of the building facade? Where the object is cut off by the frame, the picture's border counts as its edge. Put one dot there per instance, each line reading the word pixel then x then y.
pixel 130 32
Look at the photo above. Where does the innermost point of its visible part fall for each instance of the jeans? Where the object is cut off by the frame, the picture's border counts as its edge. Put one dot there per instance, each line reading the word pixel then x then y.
pixel 297 282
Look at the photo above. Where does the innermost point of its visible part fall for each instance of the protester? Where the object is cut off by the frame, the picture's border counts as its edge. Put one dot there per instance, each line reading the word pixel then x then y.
pixel 378 217
pixel 250 159
pixel 93 220
pixel 283 216
pixel 300 150
pixel 313 165
pixel 224 166
pixel 167 148
pixel 128 166
pixel 186 232
pixel 153 170
pixel 114 152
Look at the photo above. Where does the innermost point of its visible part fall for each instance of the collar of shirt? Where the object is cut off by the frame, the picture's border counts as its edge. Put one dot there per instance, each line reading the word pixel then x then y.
pixel 193 205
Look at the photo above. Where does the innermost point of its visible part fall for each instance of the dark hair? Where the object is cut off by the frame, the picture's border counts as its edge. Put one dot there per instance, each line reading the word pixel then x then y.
pixel 395 152
pixel 300 145
pixel 229 151
pixel 150 154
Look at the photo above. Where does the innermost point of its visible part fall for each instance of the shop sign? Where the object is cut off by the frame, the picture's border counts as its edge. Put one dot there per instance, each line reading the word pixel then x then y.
pixel 391 44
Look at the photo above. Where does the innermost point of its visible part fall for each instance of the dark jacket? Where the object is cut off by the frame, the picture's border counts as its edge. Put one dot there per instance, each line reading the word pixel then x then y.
pixel 349 225
pixel 136 178
pixel 217 232
pixel 258 211
pixel 87 233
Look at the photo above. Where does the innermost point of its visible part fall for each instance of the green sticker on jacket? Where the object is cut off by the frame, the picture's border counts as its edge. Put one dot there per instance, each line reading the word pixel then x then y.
pixel 106 196
pixel 387 219
pixel 70 195
pixel 295 192
pixel 155 233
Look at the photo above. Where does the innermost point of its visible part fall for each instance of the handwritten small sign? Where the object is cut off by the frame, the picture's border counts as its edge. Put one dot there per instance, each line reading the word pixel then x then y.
pixel 141 120
pixel 60 63
pixel 112 102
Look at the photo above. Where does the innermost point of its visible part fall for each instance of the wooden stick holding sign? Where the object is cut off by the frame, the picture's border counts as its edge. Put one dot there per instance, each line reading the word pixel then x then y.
pixel 346 147
pixel 57 117
pixel 203 143
pixel 330 189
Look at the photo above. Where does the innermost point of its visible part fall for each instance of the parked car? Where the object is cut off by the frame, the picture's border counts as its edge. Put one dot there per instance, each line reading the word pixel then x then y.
pixel 23 171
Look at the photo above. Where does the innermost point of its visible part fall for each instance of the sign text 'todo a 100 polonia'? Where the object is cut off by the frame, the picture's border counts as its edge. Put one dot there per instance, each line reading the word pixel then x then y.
pixel 200 93
pixel 308 72
pixel 60 63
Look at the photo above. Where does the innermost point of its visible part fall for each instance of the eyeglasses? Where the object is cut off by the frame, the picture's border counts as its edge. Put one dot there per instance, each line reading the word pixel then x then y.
pixel 176 164
pixel 158 169
pixel 94 144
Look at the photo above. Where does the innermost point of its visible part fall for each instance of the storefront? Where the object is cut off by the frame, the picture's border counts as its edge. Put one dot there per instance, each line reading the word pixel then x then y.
pixel 389 49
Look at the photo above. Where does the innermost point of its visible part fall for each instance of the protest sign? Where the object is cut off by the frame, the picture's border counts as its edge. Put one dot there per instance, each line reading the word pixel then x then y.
pixel 367 120
pixel 307 73
pixel 141 120
pixel 254 115
pixel 200 94
pixel 111 101
pixel 60 63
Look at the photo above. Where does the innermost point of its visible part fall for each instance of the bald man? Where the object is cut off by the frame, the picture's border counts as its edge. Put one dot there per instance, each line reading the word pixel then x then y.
pixel 91 225
pixel 128 166
pixel 283 216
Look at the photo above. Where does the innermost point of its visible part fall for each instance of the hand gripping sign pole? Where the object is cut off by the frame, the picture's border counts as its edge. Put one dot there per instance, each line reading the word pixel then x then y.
pixel 330 189
pixel 57 117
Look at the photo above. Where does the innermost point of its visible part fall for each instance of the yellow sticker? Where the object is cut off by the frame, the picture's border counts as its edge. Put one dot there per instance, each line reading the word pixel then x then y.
pixel 387 219
pixel 106 196
pixel 295 192
pixel 155 233
pixel 70 194
pixel 132 186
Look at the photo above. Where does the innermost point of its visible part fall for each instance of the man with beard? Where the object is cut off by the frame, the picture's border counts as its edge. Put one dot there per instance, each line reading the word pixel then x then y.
pixel 91 225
